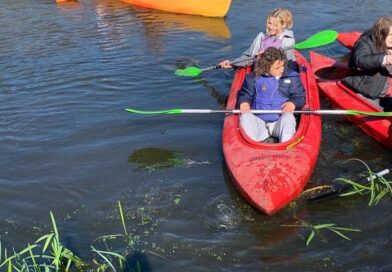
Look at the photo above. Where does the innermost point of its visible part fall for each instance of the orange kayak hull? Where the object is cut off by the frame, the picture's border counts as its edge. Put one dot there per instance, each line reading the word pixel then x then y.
pixel 208 8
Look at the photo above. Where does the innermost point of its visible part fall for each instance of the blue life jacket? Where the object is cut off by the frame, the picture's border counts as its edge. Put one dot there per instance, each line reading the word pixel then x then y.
pixel 268 97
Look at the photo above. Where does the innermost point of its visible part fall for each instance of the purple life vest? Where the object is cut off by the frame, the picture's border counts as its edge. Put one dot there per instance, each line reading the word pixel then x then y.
pixel 270 41
pixel 268 97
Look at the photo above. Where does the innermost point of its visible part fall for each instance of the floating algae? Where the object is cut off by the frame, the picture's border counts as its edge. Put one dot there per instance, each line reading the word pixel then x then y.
pixel 152 158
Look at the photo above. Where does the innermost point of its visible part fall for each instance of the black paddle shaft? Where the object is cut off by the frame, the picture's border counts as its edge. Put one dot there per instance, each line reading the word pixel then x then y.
pixel 338 189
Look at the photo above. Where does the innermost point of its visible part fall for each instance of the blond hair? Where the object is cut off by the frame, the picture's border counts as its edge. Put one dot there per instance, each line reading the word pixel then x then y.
pixel 284 16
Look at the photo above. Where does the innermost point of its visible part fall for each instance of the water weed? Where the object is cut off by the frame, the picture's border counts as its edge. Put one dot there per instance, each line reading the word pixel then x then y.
pixel 377 187
pixel 316 230
pixel 48 253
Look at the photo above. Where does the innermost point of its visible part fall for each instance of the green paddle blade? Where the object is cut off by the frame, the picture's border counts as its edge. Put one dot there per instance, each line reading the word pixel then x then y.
pixel 319 39
pixel 370 113
pixel 172 111
pixel 188 72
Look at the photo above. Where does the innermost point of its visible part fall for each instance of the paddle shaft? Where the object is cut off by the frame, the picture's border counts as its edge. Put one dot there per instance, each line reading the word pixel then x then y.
pixel 237 111
pixel 316 112
pixel 319 39
pixel 217 66
pixel 337 190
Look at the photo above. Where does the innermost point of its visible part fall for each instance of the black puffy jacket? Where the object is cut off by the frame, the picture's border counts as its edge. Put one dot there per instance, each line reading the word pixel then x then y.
pixel 371 78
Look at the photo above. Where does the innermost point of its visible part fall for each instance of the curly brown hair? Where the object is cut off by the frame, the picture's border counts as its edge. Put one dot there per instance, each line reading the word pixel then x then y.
pixel 380 32
pixel 267 59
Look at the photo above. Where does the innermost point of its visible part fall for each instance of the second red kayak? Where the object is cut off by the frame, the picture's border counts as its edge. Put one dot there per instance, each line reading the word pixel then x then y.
pixel 342 97
pixel 271 175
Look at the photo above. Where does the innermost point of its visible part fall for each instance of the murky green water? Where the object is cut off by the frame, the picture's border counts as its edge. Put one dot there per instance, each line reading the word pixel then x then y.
pixel 67 145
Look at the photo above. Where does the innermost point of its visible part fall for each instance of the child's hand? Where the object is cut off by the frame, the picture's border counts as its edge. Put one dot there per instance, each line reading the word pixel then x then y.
pixel 258 54
pixel 225 64
pixel 288 107
pixel 389 60
pixel 244 107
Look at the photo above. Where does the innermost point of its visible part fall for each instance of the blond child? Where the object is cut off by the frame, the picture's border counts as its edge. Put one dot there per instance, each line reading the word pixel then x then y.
pixel 278 35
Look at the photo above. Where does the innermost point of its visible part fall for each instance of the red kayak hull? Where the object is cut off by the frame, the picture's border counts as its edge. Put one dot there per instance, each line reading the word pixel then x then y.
pixel 271 175
pixel 342 97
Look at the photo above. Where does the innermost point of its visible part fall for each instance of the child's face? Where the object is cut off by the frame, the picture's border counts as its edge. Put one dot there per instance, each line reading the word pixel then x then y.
pixel 274 27
pixel 388 40
pixel 277 68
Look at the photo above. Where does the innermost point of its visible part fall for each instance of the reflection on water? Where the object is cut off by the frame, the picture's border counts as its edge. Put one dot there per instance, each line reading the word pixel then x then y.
pixel 67 2
pixel 213 27
pixel 156 25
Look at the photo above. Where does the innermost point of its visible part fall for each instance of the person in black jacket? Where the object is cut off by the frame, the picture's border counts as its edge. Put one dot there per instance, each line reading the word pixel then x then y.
pixel 271 87
pixel 372 58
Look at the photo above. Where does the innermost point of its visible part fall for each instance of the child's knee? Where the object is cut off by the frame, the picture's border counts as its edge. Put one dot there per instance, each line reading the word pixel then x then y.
pixel 288 116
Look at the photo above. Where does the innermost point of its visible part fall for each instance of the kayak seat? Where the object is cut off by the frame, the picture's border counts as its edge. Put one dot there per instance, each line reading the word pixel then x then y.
pixel 271 140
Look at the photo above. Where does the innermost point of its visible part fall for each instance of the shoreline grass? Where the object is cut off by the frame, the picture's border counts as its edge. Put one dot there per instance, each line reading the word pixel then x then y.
pixel 48 253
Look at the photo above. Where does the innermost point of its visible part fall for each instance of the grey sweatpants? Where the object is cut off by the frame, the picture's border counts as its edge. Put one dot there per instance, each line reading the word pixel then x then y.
pixel 258 130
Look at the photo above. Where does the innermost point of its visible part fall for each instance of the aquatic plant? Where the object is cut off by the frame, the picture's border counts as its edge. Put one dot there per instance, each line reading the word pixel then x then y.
pixel 317 230
pixel 47 253
pixel 374 185
pixel 59 258
pixel 377 187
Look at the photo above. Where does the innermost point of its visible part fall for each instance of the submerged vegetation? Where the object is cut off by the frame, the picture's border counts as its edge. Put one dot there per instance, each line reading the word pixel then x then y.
pixel 47 253
pixel 316 230
pixel 376 187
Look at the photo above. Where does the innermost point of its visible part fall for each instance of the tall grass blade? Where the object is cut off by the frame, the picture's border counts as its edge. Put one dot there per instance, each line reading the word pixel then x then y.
pixel 138 267
pixel 48 238
pixel 346 229
pixel 68 265
pixel 380 196
pixel 104 258
pixel 54 226
pixel 323 226
pixel 36 267
pixel 355 185
pixel 339 233
pixel 122 218
pixel 311 236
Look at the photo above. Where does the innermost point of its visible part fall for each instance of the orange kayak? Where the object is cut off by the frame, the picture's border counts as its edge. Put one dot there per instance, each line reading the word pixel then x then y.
pixel 209 8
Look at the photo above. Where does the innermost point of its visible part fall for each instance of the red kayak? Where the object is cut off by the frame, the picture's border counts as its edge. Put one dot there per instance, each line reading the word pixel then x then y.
pixel 348 39
pixel 342 97
pixel 271 175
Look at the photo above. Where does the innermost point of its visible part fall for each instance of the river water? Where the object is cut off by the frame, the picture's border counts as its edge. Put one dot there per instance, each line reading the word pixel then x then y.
pixel 68 146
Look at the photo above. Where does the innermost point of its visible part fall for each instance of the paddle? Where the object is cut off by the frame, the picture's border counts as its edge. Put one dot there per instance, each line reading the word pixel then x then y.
pixel 338 189
pixel 319 39
pixel 335 72
pixel 317 112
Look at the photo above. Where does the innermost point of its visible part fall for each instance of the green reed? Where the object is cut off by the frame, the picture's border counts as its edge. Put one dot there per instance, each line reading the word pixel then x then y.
pixel 47 253
pixel 377 188
pixel 317 230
